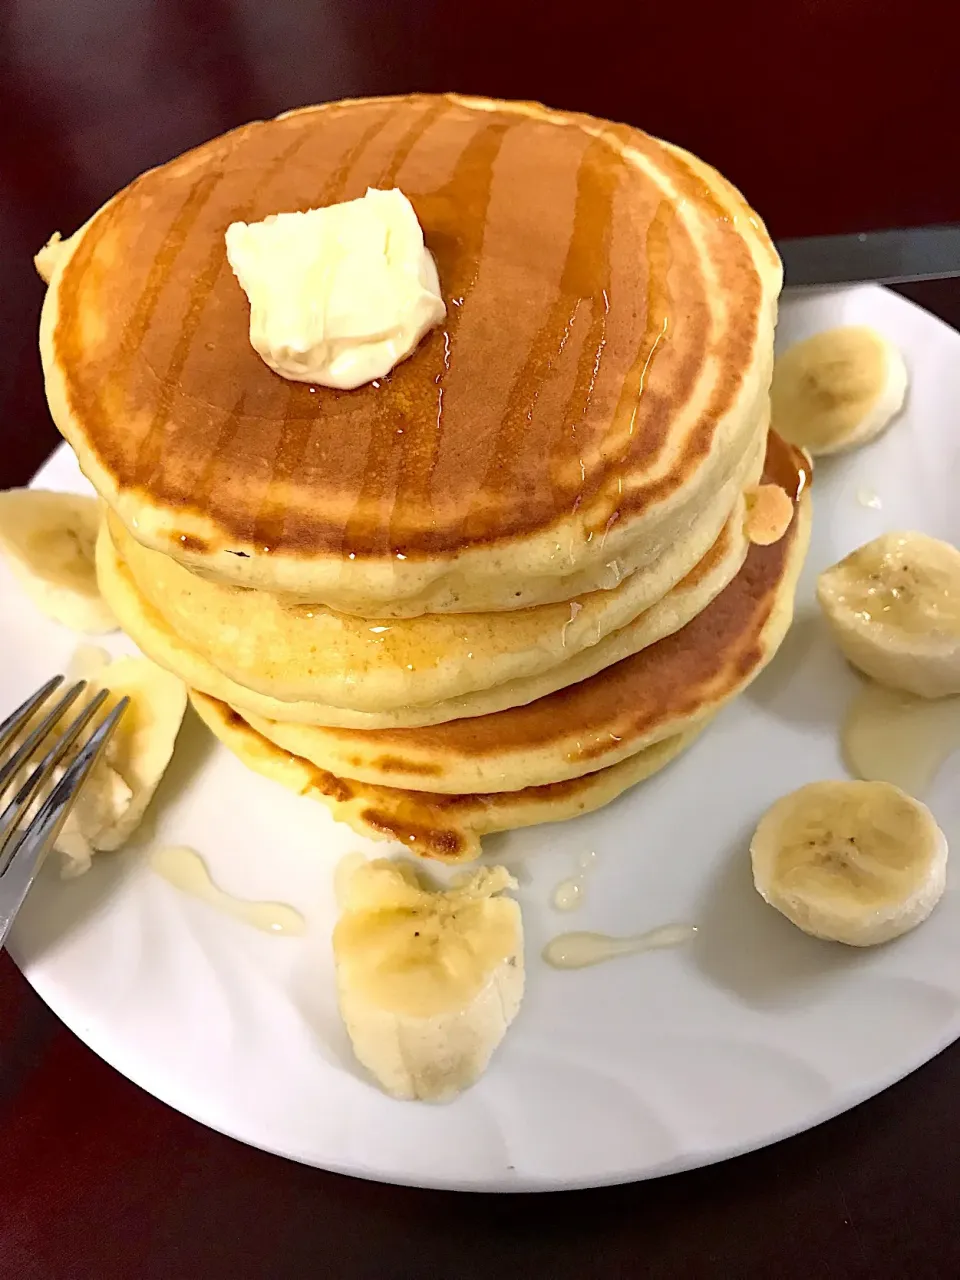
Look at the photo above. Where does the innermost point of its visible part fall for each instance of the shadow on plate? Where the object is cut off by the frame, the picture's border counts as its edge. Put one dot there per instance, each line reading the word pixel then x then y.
pixel 808 681
pixel 195 742
pixel 314 993
pixel 57 906
pixel 749 949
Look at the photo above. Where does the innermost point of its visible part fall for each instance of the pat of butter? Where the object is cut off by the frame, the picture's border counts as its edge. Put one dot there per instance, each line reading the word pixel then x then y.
pixel 338 296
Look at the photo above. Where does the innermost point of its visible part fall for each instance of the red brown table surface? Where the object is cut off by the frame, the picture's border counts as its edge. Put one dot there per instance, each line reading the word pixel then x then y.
pixel 833 115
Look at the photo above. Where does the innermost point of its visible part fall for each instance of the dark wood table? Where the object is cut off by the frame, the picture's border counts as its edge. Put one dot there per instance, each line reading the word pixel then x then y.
pixel 832 115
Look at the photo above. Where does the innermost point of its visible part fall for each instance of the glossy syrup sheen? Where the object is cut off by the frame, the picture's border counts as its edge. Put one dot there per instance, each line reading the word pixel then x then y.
pixel 578 324
pixel 581 948
pixel 186 870
pixel 891 736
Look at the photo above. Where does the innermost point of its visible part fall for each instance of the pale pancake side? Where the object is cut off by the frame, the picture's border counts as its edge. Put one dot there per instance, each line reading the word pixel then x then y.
pixel 655 694
pixel 446 827
pixel 306 653
pixel 143 623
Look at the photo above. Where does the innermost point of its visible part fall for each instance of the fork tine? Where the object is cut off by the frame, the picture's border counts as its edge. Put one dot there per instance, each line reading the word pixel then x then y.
pixel 34 739
pixel 17 719
pixel 58 802
pixel 19 873
pixel 21 802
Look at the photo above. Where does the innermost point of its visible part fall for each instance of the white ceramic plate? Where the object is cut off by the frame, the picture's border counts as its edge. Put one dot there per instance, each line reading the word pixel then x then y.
pixel 632 1069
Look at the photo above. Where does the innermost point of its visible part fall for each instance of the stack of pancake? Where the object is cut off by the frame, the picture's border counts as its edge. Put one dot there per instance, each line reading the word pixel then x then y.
pixel 513 577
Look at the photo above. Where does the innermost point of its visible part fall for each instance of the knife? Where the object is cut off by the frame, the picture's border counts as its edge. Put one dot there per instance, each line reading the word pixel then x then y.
pixel 884 257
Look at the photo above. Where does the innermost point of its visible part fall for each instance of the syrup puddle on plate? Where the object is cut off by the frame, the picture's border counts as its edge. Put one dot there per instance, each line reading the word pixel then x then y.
pixel 568 894
pixel 578 950
pixel 889 736
pixel 187 871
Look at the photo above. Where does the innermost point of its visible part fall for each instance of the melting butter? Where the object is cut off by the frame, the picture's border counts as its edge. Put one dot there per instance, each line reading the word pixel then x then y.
pixel 187 871
pixel 867 498
pixel 579 949
pixel 889 736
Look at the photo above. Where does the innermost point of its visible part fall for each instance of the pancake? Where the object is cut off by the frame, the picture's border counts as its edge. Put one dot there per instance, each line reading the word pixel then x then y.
pixel 605 361
pixel 446 827
pixel 661 691
pixel 308 653
pixel 144 624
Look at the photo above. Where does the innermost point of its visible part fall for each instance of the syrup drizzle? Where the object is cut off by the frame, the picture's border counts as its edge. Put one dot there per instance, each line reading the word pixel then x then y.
pixel 635 384
pixel 150 452
pixel 298 431
pixel 404 459
pixel 583 288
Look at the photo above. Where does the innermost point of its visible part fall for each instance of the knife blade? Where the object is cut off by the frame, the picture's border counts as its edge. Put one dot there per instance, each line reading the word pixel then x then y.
pixel 884 257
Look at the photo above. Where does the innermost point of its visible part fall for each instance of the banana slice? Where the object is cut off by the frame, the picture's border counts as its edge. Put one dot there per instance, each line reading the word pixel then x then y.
pixel 428 981
pixel 855 862
pixel 837 389
pixel 894 609
pixel 115 797
pixel 49 539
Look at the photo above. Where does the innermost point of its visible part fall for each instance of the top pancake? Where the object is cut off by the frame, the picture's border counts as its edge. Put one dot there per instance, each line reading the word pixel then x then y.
pixel 605 359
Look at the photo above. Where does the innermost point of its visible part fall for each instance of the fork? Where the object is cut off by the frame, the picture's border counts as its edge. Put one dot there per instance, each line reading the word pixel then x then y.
pixel 25 839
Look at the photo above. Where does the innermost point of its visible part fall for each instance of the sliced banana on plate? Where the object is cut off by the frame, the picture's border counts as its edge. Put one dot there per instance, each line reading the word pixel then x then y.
pixel 854 862
pixel 428 980
pixel 894 609
pixel 838 389
pixel 115 797
pixel 49 541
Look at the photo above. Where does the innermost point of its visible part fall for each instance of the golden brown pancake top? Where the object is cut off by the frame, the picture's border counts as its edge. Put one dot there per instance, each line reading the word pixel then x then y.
pixel 578 323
